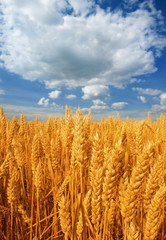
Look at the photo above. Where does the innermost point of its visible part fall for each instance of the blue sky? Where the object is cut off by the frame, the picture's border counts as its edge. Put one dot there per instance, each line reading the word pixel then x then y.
pixel 103 55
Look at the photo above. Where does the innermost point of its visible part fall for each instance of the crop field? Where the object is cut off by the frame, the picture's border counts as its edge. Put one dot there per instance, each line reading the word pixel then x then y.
pixel 74 178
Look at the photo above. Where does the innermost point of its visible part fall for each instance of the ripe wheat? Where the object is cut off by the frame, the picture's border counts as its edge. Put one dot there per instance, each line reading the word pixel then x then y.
pixel 74 178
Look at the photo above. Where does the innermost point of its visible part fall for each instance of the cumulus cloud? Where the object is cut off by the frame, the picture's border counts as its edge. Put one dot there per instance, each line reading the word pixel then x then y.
pixel 71 96
pixel 99 108
pixel 163 99
pixel 143 99
pixel 2 92
pixel 119 105
pixel 95 92
pixel 54 94
pixel 147 91
pixel 81 7
pixel 158 108
pixel 98 102
pixel 99 105
pixel 109 54
pixel 43 102
pixel 162 105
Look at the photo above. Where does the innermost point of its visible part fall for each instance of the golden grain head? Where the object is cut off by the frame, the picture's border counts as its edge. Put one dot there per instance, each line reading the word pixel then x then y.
pixel 74 178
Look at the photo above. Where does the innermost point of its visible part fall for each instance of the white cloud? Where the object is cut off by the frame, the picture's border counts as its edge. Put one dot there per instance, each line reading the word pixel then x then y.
pixel 85 109
pixel 109 55
pixel 99 108
pixel 54 94
pixel 56 106
pixel 98 102
pixel 162 106
pixel 2 92
pixel 95 92
pixel 147 91
pixel 43 102
pixel 119 105
pixel 158 108
pixel 143 99
pixel 163 99
pixel 71 96
pixel 52 84
pixel 81 7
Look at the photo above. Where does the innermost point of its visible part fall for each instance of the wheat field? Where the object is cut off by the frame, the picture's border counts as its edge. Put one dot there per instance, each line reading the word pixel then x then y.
pixel 74 178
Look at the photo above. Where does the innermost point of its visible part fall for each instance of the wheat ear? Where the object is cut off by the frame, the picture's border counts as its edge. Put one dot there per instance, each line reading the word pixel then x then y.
pixel 128 207
pixel 23 213
pixel 13 188
pixel 154 213
pixel 5 165
pixel 97 199
pixel 113 174
pixel 65 216
pixel 153 182
pixel 133 233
